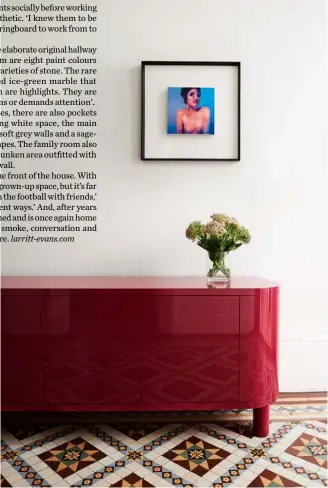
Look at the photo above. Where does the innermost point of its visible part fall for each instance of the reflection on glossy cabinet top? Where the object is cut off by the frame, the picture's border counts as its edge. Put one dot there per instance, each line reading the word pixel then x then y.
pixel 241 285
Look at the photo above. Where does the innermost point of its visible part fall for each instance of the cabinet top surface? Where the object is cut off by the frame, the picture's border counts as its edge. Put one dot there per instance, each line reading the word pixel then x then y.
pixel 240 284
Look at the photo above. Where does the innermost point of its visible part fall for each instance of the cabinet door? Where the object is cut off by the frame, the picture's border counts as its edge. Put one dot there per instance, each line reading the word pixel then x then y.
pixel 259 349
pixel 91 349
pixel 20 348
pixel 190 349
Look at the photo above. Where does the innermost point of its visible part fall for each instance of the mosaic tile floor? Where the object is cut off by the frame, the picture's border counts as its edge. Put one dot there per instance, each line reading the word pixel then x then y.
pixel 186 449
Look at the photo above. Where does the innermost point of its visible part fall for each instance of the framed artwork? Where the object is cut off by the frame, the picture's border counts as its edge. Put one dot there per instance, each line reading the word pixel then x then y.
pixel 190 111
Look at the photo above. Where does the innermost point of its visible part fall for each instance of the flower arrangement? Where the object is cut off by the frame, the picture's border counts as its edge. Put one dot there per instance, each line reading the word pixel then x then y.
pixel 221 235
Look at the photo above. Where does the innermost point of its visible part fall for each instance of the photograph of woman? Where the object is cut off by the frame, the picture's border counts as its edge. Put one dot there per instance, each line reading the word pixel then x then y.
pixel 190 110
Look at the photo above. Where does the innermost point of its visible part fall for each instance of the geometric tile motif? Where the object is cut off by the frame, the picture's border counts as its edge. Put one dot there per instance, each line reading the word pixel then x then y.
pixel 110 440
pixel 9 455
pixel 47 439
pixel 71 456
pixel 247 461
pixel 315 477
pixel 159 441
pixel 310 448
pixel 256 452
pixel 165 474
pixel 318 429
pixel 290 426
pixel 277 436
pixel 292 467
pixel 132 480
pixel 27 472
pixel 245 456
pixel 100 474
pixel 104 436
pixel 4 482
pixel 274 439
pixel 134 456
pixel 92 479
pixel 196 455
pixel 28 430
pixel 242 428
pixel 130 456
pixel 137 431
pixel 223 437
pixel 147 463
pixel 231 475
pixel 267 479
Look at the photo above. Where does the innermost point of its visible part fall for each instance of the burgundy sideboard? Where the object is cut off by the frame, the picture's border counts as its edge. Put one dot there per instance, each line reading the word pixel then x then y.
pixel 139 344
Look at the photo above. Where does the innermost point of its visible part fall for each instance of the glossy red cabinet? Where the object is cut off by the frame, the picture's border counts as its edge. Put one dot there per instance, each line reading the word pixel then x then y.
pixel 21 359
pixel 111 343
pixel 91 349
pixel 190 349
pixel 258 348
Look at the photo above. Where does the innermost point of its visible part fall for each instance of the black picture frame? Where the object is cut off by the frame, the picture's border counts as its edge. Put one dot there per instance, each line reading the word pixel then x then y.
pixel 145 64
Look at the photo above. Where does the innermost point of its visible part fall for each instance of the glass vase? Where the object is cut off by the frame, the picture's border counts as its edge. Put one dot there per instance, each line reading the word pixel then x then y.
pixel 217 270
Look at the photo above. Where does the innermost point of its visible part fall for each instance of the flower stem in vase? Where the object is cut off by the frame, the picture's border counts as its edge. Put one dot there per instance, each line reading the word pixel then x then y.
pixel 218 271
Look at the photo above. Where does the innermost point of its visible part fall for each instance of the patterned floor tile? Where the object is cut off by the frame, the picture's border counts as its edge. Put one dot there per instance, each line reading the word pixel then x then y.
pixel 241 428
pixel 202 449
pixel 311 448
pixel 9 455
pixel 163 473
pixel 269 479
pixel 257 452
pixel 230 476
pixel 101 474
pixel 45 440
pixel 72 456
pixel 4 482
pixel 104 436
pixel 196 455
pixel 163 439
pixel 318 426
pixel 25 431
pixel 294 467
pixel 225 438
pixel 24 470
pixel 138 431
pixel 132 480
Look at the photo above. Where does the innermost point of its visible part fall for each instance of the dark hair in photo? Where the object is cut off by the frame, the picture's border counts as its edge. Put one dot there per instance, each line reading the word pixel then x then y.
pixel 184 92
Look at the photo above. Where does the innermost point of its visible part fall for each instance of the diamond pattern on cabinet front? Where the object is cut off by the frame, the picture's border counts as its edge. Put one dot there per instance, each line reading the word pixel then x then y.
pixel 190 370
pixel 85 363
pixel 190 349
pixel 79 373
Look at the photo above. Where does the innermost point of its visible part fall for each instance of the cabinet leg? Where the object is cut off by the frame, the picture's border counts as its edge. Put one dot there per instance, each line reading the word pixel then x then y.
pixel 261 421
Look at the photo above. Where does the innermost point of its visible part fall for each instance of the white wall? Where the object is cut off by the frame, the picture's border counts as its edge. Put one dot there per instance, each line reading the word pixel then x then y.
pixel 278 189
